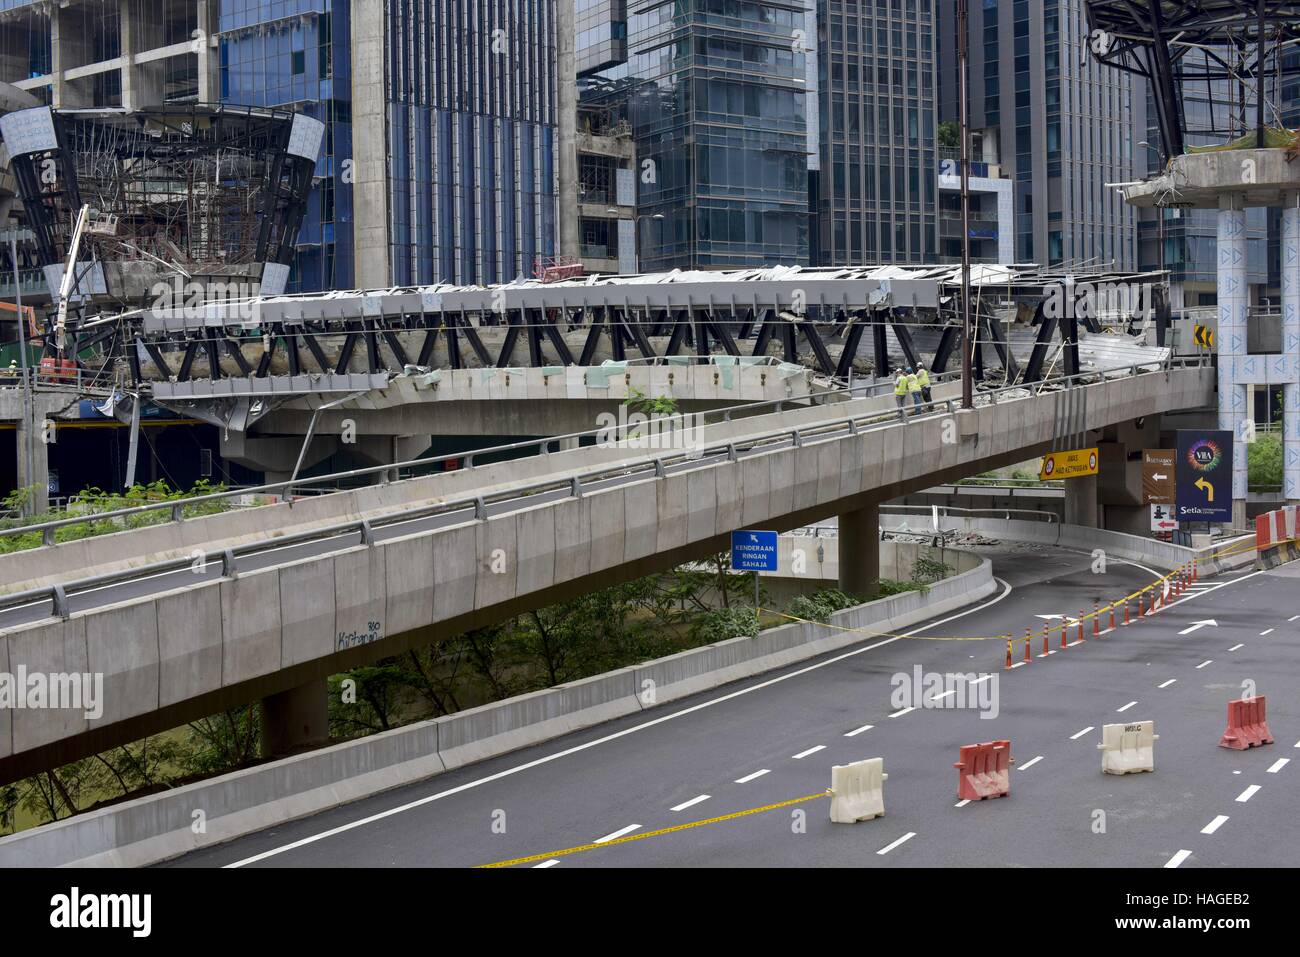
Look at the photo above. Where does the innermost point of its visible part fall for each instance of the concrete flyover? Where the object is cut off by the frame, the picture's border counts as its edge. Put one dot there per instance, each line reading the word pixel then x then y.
pixel 191 617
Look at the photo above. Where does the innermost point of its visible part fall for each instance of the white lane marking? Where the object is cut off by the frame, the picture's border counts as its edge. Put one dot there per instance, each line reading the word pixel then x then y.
pixel 619 833
pixel 749 777
pixel 902 840
pixel 804 754
pixel 1167 683
pixel 546 759
pixel 1235 647
pixel 1178 858
pixel 1018 664
pixel 551 863
pixel 962 803
pixel 1127 706
pixel 1207 661
pixel 901 712
pixel 945 694
pixel 1214 825
pixel 1293 617
pixel 1268 632
pixel 857 731
pixel 691 803
pixel 978 681
pixel 1247 794
pixel 1030 763
pixel 1079 734
pixel 1278 765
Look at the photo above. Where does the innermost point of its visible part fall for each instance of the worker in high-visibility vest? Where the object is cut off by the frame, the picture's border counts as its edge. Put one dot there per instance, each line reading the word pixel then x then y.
pixel 900 388
pixel 923 377
pixel 914 388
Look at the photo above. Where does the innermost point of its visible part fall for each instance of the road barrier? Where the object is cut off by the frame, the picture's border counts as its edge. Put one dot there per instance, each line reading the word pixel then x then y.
pixel 1126 748
pixel 984 771
pixel 1247 725
pixel 858 791
pixel 1275 538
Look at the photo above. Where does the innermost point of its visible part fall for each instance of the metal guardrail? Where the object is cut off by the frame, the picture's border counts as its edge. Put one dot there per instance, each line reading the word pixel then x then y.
pixel 945 510
pixel 652 465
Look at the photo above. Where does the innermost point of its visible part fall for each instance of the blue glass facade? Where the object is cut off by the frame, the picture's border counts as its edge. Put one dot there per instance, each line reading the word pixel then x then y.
pixel 470 92
pixel 717 109
pixel 295 53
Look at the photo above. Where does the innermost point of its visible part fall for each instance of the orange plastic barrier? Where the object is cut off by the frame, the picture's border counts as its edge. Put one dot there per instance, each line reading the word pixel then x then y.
pixel 1247 725
pixel 984 771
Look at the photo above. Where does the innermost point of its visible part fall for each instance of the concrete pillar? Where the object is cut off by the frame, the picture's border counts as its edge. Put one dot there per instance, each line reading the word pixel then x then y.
pixel 566 102
pixel 1081 501
pixel 142 85
pixel 1290 258
pixel 1234 305
pixel 369 146
pixel 296 719
pixel 69 48
pixel 209 80
pixel 40 465
pixel 859 551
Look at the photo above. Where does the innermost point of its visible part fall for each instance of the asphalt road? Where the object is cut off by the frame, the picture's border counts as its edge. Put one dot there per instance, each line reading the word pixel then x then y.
pixel 775 737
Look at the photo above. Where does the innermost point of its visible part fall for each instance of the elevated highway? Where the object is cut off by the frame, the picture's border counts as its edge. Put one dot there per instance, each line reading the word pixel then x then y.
pixel 187 618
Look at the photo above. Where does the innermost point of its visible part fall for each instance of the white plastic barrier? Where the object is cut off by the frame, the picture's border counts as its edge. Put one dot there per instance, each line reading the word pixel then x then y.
pixel 858 791
pixel 1126 748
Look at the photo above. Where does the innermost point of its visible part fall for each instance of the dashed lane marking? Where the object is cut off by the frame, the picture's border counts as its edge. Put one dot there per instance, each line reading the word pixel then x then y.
pixel 804 754
pixel 1235 647
pixel 749 777
pixel 1178 858
pixel 1247 794
pixel 691 803
pixel 1030 763
pixel 962 803
pixel 1166 684
pixel 1126 707
pixel 902 840
pixel 551 863
pixel 1207 661
pixel 1079 734
pixel 1215 824
pixel 901 712
pixel 1278 765
pixel 617 834
pixel 857 731
pixel 1266 632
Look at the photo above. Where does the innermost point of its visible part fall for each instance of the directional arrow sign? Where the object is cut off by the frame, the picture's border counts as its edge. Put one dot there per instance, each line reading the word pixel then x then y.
pixel 1158 476
pixel 1198 625
pixel 1206 487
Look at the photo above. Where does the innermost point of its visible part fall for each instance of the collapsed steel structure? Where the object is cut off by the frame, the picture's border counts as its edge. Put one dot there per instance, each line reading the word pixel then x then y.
pixel 1178 43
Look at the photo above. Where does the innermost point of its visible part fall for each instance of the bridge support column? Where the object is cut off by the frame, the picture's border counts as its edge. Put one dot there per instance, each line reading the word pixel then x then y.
pixel 37 471
pixel 1290 258
pixel 1081 501
pixel 295 719
pixel 1234 305
pixel 859 548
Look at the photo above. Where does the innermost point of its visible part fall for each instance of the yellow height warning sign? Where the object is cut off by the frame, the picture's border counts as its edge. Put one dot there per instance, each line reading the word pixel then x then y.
pixel 1073 464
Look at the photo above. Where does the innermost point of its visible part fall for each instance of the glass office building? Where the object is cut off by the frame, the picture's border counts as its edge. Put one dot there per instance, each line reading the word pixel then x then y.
pixel 295 53
pixel 717 107
pixel 876 97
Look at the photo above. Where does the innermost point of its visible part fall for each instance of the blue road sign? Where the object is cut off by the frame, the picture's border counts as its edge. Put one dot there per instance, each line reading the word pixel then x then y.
pixel 753 551
pixel 1203 472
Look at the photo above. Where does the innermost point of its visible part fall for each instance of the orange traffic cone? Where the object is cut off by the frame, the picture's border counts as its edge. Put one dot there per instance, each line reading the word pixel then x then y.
pixel 1096 621
pixel 1008 667
pixel 1028 639
pixel 1081 624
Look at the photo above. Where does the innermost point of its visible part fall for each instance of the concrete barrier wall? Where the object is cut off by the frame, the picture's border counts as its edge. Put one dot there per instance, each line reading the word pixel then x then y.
pixel 161 826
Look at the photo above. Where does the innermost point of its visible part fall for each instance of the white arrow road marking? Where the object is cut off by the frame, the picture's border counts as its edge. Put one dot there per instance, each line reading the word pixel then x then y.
pixel 1214 825
pixel 691 803
pixel 889 847
pixel 619 833
pixel 1247 794
pixel 1178 858
pixel 1198 625
pixel 1278 765
pixel 1079 734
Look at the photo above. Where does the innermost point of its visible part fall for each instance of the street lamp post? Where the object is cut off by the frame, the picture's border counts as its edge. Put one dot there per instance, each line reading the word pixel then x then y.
pixel 967 387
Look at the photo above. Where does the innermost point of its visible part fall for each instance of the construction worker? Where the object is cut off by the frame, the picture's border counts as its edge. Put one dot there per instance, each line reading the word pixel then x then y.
pixel 914 388
pixel 900 388
pixel 923 377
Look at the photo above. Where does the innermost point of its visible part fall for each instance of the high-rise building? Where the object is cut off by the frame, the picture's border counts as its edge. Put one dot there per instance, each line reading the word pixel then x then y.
pixel 1058 123
pixel 439 160
pixel 875 190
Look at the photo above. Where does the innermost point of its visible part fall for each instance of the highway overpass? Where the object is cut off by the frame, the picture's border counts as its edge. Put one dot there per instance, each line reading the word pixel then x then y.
pixel 194 616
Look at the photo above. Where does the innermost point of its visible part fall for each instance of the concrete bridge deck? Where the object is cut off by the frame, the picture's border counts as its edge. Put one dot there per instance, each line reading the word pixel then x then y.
pixel 319 586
